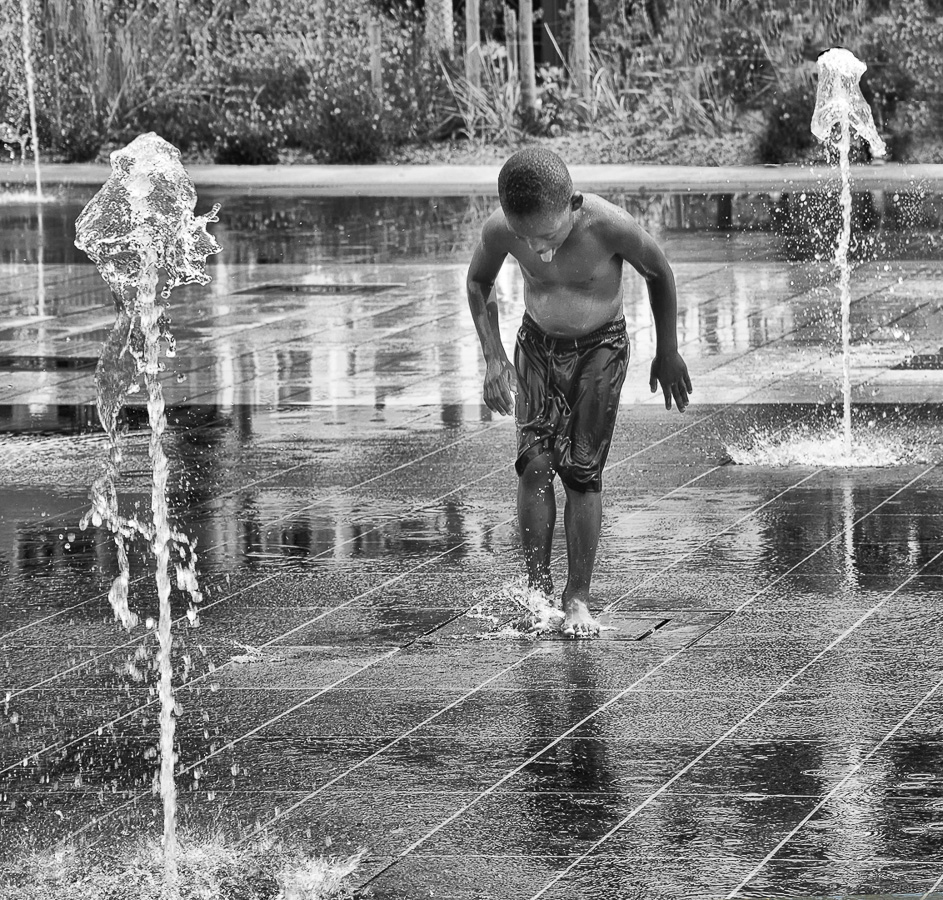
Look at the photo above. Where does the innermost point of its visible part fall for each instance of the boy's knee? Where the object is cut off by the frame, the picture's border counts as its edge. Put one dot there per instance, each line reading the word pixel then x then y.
pixel 538 470
pixel 580 479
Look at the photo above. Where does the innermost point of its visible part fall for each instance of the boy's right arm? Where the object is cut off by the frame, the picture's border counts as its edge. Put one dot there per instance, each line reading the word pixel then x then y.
pixel 500 378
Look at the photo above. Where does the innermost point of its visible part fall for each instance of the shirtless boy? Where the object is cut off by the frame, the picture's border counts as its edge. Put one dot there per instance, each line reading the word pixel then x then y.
pixel 571 354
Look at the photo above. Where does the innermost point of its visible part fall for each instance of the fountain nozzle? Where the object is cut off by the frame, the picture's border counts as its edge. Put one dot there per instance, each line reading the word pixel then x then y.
pixel 839 99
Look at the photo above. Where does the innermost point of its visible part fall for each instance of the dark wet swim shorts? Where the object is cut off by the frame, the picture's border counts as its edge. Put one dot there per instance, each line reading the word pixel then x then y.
pixel 567 398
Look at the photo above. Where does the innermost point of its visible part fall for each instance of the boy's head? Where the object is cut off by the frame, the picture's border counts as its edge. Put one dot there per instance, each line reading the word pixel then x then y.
pixel 537 197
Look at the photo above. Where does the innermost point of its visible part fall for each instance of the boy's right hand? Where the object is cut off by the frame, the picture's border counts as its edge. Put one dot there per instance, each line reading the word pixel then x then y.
pixel 500 386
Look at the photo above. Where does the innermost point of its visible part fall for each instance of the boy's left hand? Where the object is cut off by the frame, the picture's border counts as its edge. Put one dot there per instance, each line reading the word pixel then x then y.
pixel 669 370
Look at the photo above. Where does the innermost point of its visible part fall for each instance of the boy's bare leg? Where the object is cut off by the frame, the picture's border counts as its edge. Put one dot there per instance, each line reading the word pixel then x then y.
pixel 537 515
pixel 582 519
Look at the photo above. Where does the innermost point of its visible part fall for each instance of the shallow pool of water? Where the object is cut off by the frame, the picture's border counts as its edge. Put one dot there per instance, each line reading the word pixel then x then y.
pixel 770 670
pixel 259 229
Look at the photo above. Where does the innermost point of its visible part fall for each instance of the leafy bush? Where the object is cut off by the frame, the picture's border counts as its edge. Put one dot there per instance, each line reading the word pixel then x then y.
pixel 245 79
pixel 245 146
pixel 743 70
pixel 786 135
pixel 414 87
pixel 13 104
pixel 904 81
pixel 349 129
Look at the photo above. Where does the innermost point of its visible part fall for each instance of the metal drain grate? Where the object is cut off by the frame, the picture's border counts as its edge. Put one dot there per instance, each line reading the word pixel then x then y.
pixel 652 630
pixel 923 361
pixel 44 363
pixel 319 289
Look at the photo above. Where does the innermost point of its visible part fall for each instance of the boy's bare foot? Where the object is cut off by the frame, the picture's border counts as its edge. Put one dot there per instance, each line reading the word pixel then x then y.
pixel 577 622
pixel 543 612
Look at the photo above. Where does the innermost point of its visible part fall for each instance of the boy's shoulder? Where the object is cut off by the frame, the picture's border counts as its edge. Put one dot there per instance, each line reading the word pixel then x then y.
pixel 605 217
pixel 495 232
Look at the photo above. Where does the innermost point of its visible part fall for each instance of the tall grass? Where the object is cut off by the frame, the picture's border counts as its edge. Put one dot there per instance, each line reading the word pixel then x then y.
pixel 492 111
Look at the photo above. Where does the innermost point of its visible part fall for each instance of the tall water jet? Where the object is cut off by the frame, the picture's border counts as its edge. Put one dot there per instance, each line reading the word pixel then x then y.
pixel 138 225
pixel 840 106
pixel 31 93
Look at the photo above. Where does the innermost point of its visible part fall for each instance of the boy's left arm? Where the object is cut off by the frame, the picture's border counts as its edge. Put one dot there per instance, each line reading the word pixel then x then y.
pixel 638 248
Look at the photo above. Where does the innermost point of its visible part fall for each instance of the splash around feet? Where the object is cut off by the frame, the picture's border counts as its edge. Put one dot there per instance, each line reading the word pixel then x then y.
pixel 811 446
pixel 540 615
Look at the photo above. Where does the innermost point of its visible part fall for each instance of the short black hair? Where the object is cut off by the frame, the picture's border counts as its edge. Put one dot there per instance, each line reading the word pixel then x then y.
pixel 532 180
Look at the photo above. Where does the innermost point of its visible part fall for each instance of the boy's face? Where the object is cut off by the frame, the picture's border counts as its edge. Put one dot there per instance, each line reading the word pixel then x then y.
pixel 545 230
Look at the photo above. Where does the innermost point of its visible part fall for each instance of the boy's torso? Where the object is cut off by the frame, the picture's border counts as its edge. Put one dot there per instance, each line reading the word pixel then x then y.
pixel 580 289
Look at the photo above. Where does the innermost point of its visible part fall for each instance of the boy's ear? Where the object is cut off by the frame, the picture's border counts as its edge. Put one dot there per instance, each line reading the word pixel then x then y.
pixel 576 201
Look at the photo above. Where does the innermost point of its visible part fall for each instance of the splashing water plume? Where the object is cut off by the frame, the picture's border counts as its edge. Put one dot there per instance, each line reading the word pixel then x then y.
pixel 138 225
pixel 803 446
pixel 211 866
pixel 840 106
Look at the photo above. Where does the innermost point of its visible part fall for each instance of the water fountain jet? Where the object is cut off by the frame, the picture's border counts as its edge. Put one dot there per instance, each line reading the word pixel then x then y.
pixel 31 93
pixel 840 106
pixel 138 225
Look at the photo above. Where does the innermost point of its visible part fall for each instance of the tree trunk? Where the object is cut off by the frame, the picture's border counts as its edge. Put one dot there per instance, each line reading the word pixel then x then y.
pixel 510 40
pixel 319 20
pixel 439 27
pixel 528 69
pixel 375 43
pixel 580 51
pixel 472 43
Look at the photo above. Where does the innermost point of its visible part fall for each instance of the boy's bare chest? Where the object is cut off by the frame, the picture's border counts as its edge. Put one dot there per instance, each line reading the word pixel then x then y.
pixel 580 266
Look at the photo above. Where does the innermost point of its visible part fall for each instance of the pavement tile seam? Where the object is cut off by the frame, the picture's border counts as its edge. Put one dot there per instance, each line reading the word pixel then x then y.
pixel 216 602
pixel 711 854
pixel 208 315
pixel 281 473
pixel 212 392
pixel 424 457
pixel 651 797
pixel 280 343
pixel 82 379
pixel 642 329
pixel 836 788
pixel 708 541
pixel 822 546
pixel 404 385
pixel 141 794
pixel 312 794
pixel 54 276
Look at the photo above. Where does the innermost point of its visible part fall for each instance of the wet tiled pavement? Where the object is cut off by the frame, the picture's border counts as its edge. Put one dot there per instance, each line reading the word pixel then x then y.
pixel 763 719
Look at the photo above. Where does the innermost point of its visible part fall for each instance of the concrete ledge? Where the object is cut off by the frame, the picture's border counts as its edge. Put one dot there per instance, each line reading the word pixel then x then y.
pixel 444 180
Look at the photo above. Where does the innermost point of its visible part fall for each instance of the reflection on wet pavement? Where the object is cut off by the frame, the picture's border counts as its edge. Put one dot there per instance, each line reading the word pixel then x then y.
pixel 765 718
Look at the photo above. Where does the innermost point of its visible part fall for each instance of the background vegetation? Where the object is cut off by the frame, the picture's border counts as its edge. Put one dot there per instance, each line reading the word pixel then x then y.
pixel 263 81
